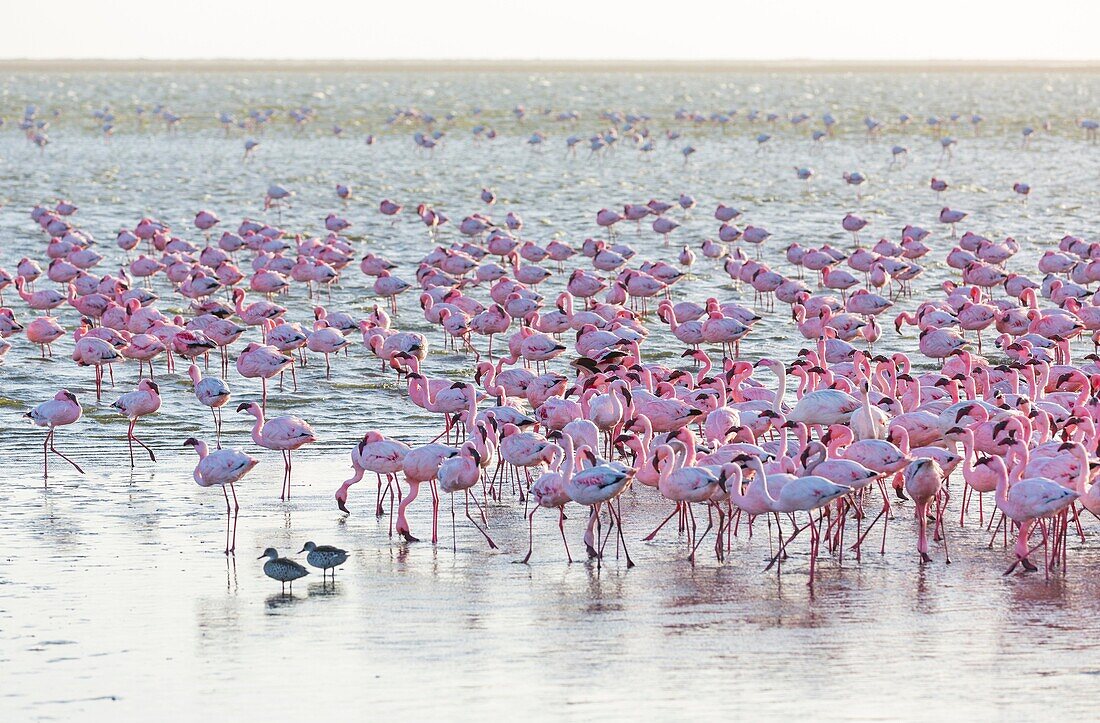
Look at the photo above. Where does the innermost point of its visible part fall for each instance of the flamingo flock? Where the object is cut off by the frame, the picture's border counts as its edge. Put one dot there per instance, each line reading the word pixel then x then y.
pixel 576 409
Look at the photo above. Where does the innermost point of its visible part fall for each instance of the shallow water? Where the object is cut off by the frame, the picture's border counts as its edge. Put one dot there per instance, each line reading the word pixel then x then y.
pixel 114 592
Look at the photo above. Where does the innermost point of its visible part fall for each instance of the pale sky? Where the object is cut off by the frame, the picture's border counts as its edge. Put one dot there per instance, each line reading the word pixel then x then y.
pixel 566 29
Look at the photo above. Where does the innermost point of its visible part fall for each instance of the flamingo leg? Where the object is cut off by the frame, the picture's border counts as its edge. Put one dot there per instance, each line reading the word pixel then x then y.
pixel 653 534
pixel 618 512
pixel 492 545
pixel 217 432
pixel 51 437
pixel 236 511
pixel 286 471
pixel 561 528
pixel 46 458
pixel 406 500
pixel 435 511
pixel 130 441
pixel 227 518
pixel 133 436
pixel 530 535
pixel 454 533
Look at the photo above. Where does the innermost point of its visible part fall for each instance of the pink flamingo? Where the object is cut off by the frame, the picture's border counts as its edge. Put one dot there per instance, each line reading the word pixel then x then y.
pixel 548 492
pixel 285 434
pixel 257 312
pixel 223 332
pixel 259 360
pixel 952 217
pixel 446 398
pixel 1025 501
pixel 144 348
pixel 458 474
pixel 211 392
pixel 390 287
pixel 801 494
pixel 381 455
pixel 684 485
pixel 420 465
pixel 44 331
pixel 62 410
pixel 595 486
pixel 221 468
pixel 853 224
pixel 133 405
pixel 326 340
pixel 90 351
pixel 45 300
pixel 389 208
pixel 924 483
pixel 607 219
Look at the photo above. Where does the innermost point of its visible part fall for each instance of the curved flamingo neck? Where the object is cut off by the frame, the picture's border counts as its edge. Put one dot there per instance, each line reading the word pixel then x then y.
pixel 423 391
pixel 968 455
pixel 1019 451
pixel 258 426
pixel 903 440
pixel 761 479
pixel 705 370
pixel 836 440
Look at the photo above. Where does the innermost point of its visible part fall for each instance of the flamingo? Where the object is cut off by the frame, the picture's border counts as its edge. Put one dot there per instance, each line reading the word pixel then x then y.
pixel 223 467
pixel 548 492
pixel 374 453
pixel 595 486
pixel 63 409
pixel 285 434
pixel 259 360
pixel 133 405
pixel 94 352
pixel 458 474
pixel 924 483
pixel 211 392
pixel 420 465
pixel 1025 501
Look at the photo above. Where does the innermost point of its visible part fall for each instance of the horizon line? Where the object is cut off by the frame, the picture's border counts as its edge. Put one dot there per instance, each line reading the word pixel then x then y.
pixel 443 65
